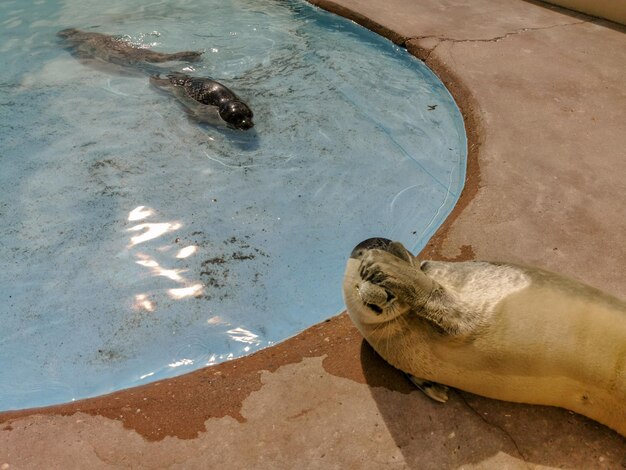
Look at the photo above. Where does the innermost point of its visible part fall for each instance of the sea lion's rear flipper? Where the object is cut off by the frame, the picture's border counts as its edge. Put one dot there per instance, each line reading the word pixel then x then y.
pixel 437 392
pixel 158 57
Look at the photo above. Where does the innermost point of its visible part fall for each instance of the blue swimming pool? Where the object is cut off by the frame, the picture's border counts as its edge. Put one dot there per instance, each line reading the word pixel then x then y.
pixel 137 244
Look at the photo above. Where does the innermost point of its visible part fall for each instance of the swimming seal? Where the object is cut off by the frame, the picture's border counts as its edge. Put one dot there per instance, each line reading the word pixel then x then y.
pixel 117 50
pixel 206 99
pixel 499 330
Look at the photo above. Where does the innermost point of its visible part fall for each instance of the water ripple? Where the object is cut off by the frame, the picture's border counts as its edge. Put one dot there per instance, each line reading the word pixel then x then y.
pixel 139 245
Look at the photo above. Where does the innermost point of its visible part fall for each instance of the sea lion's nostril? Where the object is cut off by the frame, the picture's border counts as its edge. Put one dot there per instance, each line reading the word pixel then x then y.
pixel 369 244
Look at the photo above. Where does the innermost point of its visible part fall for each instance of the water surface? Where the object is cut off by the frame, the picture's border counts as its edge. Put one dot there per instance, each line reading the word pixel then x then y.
pixel 137 244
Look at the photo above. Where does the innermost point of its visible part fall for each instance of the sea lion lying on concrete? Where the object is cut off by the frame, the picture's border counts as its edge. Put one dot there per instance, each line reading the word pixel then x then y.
pixel 500 330
pixel 117 50
pixel 207 100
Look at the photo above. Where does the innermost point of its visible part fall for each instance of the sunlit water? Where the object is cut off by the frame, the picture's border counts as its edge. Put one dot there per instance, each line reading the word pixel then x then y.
pixel 137 244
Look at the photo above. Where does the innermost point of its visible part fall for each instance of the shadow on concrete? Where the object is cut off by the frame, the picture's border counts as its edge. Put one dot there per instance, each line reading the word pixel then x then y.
pixel 471 430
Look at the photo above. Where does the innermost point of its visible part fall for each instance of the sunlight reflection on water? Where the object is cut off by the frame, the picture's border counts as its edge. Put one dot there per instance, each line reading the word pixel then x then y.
pixel 141 245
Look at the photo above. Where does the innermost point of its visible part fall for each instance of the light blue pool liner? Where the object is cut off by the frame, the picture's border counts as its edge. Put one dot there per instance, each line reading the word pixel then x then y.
pixel 138 245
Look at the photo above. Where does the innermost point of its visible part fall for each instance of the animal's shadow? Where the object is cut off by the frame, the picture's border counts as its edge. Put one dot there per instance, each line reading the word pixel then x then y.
pixel 473 430
pixel 247 141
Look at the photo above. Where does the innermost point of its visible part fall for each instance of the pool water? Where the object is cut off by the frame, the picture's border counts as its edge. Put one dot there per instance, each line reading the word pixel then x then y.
pixel 137 244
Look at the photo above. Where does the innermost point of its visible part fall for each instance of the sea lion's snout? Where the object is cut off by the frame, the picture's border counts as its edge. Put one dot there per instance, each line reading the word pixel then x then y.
pixel 374 297
pixel 237 114
pixel 244 124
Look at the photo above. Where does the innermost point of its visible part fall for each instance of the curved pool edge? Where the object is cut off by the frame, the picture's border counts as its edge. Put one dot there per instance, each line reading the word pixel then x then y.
pixel 225 403
pixel 180 406
pixel 422 48
pixel 493 434
pixel 431 159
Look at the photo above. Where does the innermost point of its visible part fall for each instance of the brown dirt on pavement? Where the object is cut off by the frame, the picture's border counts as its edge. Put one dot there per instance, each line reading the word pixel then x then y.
pixel 180 406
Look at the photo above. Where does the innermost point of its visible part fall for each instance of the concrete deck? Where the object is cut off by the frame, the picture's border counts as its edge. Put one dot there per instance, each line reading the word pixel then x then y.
pixel 542 90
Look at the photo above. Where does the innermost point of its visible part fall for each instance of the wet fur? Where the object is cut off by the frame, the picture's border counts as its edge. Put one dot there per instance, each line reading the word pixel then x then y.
pixel 116 50
pixel 207 100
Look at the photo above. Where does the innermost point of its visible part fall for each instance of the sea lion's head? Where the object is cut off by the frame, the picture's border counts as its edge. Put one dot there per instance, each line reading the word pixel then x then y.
pixel 236 114
pixel 366 300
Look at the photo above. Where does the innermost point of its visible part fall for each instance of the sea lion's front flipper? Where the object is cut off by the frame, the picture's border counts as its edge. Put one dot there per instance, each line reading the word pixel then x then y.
pixel 403 279
pixel 434 390
pixel 390 269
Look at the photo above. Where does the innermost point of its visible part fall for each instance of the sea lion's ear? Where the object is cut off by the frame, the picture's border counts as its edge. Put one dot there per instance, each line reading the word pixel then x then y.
pixel 397 249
